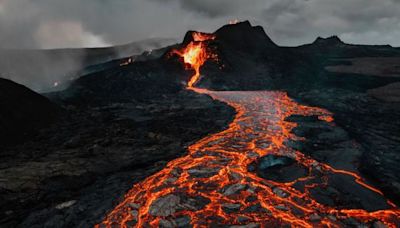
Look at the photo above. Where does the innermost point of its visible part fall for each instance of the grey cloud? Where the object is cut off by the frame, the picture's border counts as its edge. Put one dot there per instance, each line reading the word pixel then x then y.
pixel 82 23
pixel 100 22
pixel 299 21
pixel 214 8
pixel 113 22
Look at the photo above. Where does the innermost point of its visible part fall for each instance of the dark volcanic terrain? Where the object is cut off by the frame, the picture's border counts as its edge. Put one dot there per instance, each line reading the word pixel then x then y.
pixel 85 147
pixel 106 137
pixel 364 102
pixel 55 69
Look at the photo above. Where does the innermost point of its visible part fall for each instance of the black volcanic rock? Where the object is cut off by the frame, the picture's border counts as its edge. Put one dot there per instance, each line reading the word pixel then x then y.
pixel 188 38
pixel 278 168
pixel 251 61
pixel 244 36
pixel 241 36
pixel 329 41
pixel 22 111
pixel 137 81
pixel 247 59
pixel 371 123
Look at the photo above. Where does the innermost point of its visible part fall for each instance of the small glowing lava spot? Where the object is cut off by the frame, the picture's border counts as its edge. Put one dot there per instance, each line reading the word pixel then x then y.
pixel 201 37
pixel 328 119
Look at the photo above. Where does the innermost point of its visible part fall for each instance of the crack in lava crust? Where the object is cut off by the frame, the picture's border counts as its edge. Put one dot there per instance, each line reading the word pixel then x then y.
pixel 215 175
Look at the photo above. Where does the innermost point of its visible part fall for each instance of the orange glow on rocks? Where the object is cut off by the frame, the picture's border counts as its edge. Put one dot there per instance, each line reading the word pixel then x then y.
pixel 195 54
pixel 212 185
pixel 201 37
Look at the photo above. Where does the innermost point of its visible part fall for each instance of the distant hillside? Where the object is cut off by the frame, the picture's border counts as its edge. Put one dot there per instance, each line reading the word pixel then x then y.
pixel 46 70
pixel 22 111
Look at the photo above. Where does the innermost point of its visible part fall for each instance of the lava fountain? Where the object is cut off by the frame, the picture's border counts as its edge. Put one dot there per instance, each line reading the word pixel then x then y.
pixel 212 185
pixel 195 54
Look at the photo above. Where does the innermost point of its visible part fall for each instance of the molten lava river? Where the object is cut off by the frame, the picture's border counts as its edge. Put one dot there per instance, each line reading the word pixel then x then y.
pixel 212 186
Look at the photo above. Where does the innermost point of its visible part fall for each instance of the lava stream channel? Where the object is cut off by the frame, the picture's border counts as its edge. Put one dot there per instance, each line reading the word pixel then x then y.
pixel 213 186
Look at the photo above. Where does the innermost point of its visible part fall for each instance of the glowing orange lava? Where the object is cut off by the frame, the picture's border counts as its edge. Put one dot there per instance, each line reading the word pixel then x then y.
pixel 259 129
pixel 214 175
pixel 196 54
pixel 201 37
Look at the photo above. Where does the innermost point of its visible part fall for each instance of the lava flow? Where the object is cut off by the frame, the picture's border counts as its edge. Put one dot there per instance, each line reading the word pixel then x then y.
pixel 213 186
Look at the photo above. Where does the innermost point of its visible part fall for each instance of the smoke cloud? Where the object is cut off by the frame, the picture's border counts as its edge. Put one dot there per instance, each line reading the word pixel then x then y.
pixel 44 24
pixel 75 23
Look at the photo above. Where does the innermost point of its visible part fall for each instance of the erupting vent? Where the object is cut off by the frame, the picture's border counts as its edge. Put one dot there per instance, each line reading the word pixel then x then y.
pixel 196 53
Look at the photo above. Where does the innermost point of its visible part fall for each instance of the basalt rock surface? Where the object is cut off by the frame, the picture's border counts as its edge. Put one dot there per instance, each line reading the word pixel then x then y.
pixel 279 168
pixel 330 144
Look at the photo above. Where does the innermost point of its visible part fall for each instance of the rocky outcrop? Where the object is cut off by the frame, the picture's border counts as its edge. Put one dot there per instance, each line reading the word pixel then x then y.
pixel 244 36
pixel 279 168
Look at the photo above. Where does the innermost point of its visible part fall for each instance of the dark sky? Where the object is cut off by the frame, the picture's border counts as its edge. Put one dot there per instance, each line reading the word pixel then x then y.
pixel 77 23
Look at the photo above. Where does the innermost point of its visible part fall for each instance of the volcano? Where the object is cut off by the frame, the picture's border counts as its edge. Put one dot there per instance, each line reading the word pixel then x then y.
pixel 226 129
